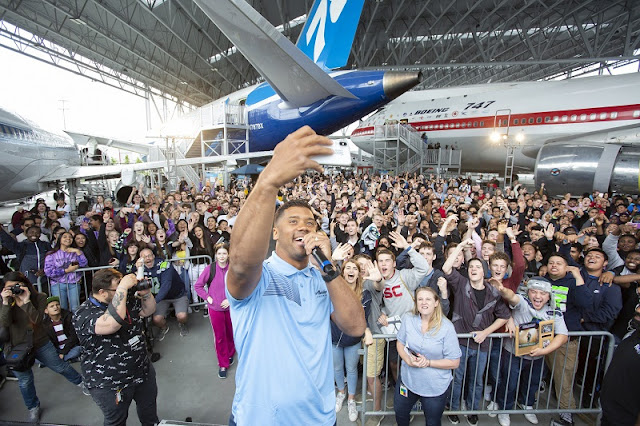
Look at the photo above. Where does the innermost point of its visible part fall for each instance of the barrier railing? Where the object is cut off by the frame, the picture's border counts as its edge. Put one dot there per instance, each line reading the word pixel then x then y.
pixel 572 372
pixel 87 274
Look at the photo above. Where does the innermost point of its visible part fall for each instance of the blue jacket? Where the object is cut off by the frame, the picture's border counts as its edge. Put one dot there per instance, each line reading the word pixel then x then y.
pixel 605 303
pixel 166 282
pixel 578 298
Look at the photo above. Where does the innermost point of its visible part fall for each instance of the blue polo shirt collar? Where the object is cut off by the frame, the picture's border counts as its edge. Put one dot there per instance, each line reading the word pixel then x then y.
pixel 288 269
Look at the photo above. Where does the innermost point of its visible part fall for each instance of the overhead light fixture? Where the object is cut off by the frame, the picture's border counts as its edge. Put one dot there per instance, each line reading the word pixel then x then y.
pixel 520 137
pixel 495 137
pixel 184 82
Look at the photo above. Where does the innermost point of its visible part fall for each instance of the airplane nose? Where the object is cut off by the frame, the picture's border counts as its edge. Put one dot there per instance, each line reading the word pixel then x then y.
pixel 395 83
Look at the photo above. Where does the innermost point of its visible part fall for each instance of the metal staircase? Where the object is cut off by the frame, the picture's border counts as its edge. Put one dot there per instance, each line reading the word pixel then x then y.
pixel 399 148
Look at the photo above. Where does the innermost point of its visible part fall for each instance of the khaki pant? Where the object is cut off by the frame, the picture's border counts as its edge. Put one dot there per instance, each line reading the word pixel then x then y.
pixel 563 362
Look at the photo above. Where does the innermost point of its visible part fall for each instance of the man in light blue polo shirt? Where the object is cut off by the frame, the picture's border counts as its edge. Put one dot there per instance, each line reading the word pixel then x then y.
pixel 280 307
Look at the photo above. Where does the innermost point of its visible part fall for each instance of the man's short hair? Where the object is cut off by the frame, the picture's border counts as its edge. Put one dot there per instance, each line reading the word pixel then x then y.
pixel 489 242
pixel 599 250
pixel 426 245
pixel 499 255
pixel 560 255
pixel 103 278
pixel 628 236
pixel 385 251
pixel 97 217
pixel 289 204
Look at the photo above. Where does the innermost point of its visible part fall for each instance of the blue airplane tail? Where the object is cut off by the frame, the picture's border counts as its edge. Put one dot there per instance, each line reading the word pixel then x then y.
pixel 328 34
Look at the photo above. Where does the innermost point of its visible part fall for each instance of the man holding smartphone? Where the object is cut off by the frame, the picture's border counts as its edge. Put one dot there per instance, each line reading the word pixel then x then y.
pixel 280 306
pixel 116 366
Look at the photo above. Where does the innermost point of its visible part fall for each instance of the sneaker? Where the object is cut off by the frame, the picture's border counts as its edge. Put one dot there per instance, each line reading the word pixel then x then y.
pixel 472 419
pixel 196 309
pixel 487 393
pixel 11 377
pixel 369 396
pixel 504 419
pixel 531 418
pixel 561 421
pixel 34 415
pixel 374 421
pixel 340 396
pixel 231 360
pixel 492 406
pixel 184 329
pixel 453 419
pixel 163 333
pixel 155 356
pixel 543 386
pixel 205 312
pixel 84 388
pixel 222 373
pixel 353 411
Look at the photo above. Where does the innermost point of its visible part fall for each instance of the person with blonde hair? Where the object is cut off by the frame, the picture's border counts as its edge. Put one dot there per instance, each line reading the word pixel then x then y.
pixel 346 347
pixel 428 346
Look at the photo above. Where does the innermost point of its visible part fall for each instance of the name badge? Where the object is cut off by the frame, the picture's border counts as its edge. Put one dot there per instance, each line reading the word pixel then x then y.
pixel 134 341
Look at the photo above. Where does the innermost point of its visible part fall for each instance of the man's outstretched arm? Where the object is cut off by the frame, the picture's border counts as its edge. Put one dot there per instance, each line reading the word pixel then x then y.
pixel 252 230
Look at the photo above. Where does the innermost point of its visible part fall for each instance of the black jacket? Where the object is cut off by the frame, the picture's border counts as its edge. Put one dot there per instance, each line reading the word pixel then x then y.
pixel 69 331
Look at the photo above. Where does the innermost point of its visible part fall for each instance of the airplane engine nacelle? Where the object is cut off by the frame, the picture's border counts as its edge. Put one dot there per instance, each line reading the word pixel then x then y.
pixel 584 167
pixel 128 181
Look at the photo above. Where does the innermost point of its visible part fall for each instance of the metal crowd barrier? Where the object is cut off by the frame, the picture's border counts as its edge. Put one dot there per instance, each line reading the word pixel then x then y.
pixel 87 275
pixel 578 384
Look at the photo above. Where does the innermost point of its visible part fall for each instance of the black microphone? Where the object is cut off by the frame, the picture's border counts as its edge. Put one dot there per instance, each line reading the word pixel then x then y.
pixel 318 255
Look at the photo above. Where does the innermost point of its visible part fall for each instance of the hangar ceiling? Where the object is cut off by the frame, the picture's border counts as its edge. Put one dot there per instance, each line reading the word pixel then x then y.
pixel 171 49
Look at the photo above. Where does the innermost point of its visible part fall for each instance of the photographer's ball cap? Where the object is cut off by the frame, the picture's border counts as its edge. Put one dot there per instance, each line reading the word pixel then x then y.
pixel 53 299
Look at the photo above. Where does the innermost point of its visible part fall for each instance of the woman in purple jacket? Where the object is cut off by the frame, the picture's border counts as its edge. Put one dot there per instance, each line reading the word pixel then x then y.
pixel 212 290
pixel 60 266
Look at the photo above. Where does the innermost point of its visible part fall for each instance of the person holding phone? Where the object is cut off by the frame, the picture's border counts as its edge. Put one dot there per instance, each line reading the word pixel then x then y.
pixel 280 307
pixel 60 265
pixel 428 346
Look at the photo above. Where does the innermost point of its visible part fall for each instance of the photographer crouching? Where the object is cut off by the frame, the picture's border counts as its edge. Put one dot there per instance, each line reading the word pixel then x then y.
pixel 115 363
pixel 22 312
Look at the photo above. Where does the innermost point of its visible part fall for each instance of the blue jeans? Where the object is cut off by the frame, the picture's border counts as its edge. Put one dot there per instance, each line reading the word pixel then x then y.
pixel 470 370
pixel 518 373
pixel 67 291
pixel 75 352
pixel 494 362
pixel 432 407
pixel 347 356
pixel 48 356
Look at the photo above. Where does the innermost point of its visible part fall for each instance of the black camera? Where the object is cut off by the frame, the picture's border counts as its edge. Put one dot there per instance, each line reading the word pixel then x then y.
pixel 16 289
pixel 144 284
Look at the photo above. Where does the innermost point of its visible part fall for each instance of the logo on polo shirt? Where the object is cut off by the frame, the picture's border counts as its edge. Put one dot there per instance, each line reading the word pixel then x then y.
pixel 321 293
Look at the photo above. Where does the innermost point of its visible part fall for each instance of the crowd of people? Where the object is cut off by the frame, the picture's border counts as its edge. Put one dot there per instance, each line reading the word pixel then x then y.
pixel 427 258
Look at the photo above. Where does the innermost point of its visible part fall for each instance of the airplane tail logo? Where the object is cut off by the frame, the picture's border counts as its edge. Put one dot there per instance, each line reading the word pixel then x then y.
pixel 328 34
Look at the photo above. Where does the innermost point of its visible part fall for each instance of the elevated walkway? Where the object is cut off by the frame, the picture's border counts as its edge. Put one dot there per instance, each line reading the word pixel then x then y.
pixel 399 148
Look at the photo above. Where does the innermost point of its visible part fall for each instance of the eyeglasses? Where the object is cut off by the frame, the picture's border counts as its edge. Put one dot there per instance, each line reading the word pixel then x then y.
pixel 110 289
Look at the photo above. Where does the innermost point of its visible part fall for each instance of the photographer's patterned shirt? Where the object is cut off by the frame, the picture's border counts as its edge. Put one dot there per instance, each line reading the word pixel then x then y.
pixel 112 361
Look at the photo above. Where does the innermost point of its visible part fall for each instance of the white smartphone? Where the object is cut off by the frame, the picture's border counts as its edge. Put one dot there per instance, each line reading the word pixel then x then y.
pixel 341 155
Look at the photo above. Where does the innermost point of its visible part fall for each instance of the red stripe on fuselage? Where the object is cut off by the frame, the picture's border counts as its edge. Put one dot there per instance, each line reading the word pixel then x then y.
pixel 585 115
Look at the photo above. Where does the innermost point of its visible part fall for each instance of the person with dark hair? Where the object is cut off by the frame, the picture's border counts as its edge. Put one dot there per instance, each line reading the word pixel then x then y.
pixel 200 246
pixel 30 253
pixel 60 266
pixel 22 312
pixel 116 364
pixel 477 309
pixel 280 306
pixel 210 287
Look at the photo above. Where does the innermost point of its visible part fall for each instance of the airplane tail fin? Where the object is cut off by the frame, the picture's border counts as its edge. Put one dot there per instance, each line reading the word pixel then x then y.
pixel 328 34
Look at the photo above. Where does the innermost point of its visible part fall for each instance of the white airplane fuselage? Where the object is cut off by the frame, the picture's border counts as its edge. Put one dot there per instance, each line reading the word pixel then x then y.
pixel 529 113
pixel 28 154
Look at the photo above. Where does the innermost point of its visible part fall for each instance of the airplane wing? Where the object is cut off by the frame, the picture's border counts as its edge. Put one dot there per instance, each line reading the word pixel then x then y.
pixel 294 77
pixel 93 172
pixel 83 139
pixel 621 135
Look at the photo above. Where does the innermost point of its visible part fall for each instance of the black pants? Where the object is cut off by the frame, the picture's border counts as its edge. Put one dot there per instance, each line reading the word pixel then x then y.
pixel 143 394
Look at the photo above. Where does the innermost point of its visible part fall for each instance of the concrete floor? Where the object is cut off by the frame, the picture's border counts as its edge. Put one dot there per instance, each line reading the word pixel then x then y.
pixel 188 386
